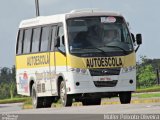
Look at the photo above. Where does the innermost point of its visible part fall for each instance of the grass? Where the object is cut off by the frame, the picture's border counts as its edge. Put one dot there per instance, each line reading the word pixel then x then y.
pixel 149 89
pixel 147 95
pixel 28 101
pixel 14 100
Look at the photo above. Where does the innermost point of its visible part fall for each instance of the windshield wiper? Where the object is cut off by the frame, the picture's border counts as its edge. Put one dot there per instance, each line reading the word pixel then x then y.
pixel 97 49
pixel 116 47
pixel 91 48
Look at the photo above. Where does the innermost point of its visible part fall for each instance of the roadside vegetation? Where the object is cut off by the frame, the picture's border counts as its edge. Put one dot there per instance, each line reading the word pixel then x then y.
pixel 8 83
pixel 147 95
pixel 155 88
pixel 14 100
pixel 146 72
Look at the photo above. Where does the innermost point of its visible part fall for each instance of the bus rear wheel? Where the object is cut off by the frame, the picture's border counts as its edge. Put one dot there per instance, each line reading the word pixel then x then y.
pixel 40 102
pixel 37 102
pixel 125 97
pixel 89 101
pixel 66 100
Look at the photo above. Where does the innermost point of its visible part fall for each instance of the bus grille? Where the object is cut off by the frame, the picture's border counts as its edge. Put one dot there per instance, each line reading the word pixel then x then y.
pixel 104 71
pixel 105 83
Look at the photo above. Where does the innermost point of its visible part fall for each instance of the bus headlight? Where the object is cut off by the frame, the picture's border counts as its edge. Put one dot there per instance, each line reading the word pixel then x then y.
pixel 83 71
pixel 128 69
pixel 78 70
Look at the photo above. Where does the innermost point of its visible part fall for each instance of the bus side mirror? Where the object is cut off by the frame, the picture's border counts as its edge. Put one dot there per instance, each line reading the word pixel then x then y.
pixel 133 38
pixel 139 39
pixel 63 40
pixel 57 42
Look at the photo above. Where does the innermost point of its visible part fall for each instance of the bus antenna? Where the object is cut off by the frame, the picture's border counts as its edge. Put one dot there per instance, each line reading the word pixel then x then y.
pixel 37 8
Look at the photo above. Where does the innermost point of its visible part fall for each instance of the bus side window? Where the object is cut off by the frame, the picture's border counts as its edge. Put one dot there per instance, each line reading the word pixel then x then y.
pixel 61 35
pixel 19 42
pixel 53 34
pixel 27 40
pixel 45 39
pixel 36 40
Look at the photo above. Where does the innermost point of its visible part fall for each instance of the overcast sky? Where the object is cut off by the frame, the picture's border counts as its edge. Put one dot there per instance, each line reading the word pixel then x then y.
pixel 143 16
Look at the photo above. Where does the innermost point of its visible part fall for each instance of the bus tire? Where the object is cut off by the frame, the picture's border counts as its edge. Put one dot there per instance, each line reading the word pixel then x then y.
pixel 125 97
pixel 94 101
pixel 66 100
pixel 37 102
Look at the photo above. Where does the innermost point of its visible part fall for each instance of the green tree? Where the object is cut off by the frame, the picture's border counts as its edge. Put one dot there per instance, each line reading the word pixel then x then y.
pixel 7 83
pixel 146 74
pixel 4 90
pixel 12 84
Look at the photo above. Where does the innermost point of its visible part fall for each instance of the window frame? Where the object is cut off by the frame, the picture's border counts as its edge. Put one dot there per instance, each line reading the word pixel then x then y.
pixel 30 40
pixel 52 41
pixel 18 40
pixel 50 38
pixel 39 38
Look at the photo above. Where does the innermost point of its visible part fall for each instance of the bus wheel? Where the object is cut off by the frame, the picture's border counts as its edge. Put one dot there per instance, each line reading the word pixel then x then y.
pixel 125 97
pixel 66 100
pixel 37 102
pixel 94 101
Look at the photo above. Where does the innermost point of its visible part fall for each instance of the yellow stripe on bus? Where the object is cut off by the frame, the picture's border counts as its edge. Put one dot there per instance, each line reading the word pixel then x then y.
pixel 58 59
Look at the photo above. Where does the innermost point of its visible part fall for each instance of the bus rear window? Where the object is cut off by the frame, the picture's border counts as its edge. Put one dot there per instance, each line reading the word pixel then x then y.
pixel 19 42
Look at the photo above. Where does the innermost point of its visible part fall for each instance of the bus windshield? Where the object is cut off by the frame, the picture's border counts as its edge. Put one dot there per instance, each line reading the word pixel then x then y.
pixel 97 34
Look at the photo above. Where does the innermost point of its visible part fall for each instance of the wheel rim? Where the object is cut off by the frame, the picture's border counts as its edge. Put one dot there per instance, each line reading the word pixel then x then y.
pixel 63 94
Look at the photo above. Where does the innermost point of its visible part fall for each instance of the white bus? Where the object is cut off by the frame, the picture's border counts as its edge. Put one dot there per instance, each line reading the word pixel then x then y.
pixel 83 55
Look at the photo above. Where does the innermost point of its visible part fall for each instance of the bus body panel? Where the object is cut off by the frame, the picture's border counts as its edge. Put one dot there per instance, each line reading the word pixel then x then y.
pixel 46 67
pixel 86 80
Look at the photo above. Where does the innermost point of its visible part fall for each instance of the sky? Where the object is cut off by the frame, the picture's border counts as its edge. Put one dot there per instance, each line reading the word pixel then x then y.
pixel 142 16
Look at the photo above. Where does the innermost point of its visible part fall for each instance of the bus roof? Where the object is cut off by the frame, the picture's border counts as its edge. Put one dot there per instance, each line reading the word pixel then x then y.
pixel 42 20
